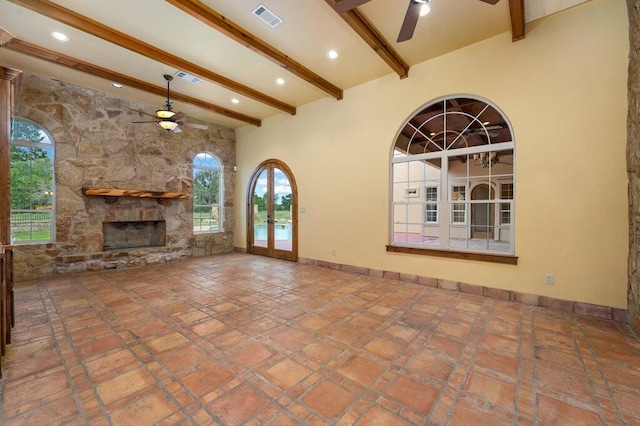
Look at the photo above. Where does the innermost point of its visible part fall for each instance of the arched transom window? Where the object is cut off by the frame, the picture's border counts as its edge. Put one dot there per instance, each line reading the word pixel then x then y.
pixel 207 193
pixel 452 177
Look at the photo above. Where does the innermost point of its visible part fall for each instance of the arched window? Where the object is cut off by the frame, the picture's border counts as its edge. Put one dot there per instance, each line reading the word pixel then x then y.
pixel 453 179
pixel 32 183
pixel 207 193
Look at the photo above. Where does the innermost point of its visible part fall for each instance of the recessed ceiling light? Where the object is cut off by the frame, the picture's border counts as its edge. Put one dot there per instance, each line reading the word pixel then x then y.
pixel 235 101
pixel 280 81
pixel 59 36
pixel 117 85
pixel 332 54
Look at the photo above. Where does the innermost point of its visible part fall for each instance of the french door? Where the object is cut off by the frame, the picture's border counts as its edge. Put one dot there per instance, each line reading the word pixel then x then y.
pixel 272 212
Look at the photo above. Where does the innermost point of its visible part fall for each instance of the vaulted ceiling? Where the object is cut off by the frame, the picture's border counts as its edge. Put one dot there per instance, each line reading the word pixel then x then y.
pixel 236 54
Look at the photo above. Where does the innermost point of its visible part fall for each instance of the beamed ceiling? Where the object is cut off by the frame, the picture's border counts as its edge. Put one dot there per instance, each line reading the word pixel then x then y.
pixel 237 55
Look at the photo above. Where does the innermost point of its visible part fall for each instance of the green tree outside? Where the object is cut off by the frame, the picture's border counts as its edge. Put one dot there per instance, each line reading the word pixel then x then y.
pixel 31 174
pixel 31 178
pixel 206 187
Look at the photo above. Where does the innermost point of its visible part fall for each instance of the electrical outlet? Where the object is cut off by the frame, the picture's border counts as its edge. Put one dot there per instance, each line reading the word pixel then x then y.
pixel 548 279
pixel 333 252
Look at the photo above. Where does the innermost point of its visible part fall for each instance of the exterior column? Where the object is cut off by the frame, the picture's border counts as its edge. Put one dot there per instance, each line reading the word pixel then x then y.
pixel 8 79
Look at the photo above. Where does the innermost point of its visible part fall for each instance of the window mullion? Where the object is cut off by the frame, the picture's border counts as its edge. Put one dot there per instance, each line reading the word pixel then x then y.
pixel 445 213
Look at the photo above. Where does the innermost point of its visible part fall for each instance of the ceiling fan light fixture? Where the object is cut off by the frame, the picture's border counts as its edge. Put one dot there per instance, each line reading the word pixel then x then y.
pixel 425 8
pixel 168 124
pixel 165 113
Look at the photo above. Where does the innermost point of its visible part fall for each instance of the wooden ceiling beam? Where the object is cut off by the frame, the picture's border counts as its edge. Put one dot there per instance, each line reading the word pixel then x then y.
pixel 365 29
pixel 344 5
pixel 76 64
pixel 218 22
pixel 5 36
pixel 82 23
pixel 516 9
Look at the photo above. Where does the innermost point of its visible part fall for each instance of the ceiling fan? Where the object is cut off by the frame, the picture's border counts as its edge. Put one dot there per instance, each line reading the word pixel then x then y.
pixel 167 118
pixel 486 159
pixel 410 18
pixel 490 131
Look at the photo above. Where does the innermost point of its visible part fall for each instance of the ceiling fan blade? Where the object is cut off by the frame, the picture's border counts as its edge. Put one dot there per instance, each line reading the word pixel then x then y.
pixel 142 112
pixel 196 125
pixel 410 21
pixel 145 121
pixel 490 1
pixel 178 116
pixel 177 130
pixel 346 5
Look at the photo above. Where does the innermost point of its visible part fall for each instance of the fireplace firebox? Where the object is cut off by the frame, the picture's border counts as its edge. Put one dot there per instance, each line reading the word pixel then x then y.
pixel 126 235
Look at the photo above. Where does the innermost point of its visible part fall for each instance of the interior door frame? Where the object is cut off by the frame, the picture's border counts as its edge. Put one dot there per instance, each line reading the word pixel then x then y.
pixel 271 251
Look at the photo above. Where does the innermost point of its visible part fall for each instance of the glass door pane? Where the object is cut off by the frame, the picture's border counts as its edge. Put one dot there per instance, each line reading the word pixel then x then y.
pixel 283 219
pixel 260 211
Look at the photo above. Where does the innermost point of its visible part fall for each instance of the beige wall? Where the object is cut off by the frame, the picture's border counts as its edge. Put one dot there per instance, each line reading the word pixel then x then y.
pixel 563 88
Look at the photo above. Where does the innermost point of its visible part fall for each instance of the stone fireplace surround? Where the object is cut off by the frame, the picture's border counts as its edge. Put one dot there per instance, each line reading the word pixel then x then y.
pixel 127 233
pixel 126 230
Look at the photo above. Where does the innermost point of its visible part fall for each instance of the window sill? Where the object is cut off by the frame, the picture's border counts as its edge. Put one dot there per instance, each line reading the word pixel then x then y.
pixel 482 257
pixel 29 243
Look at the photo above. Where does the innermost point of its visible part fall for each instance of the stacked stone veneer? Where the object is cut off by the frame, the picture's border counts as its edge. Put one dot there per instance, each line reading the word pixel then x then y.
pixel 96 145
pixel 633 164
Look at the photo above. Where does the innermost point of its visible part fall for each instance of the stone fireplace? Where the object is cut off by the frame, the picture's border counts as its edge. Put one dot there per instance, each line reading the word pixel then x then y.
pixel 133 234
pixel 109 170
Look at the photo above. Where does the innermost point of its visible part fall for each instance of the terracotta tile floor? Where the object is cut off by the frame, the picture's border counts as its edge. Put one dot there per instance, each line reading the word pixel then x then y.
pixel 240 339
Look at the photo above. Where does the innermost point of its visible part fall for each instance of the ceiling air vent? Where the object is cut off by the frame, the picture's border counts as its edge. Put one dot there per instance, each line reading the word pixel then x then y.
pixel 190 78
pixel 267 16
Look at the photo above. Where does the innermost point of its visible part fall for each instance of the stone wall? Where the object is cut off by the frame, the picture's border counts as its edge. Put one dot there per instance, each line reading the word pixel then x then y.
pixel 633 164
pixel 96 145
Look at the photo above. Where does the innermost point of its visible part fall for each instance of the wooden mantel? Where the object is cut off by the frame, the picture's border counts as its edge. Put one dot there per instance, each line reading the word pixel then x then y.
pixel 134 193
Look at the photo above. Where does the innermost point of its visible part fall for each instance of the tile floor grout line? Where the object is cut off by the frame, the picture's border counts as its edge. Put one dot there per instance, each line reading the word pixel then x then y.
pixel 473 357
pixel 53 314
pixel 395 320
pixel 521 343
pixel 534 383
pixel 457 390
pixel 585 367
pixel 142 363
pixel 602 376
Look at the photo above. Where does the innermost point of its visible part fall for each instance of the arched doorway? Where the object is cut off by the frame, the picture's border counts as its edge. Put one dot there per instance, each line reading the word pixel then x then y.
pixel 272 211
pixel 482 221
